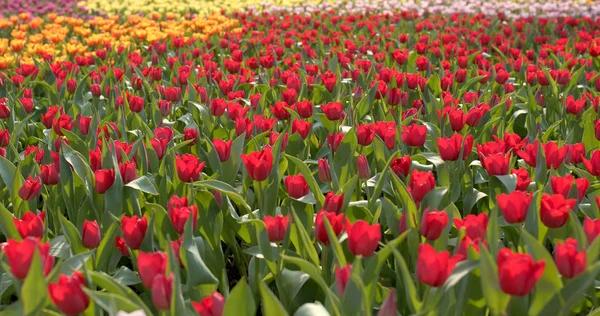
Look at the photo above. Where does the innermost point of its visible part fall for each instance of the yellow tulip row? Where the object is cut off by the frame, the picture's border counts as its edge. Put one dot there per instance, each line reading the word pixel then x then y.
pixel 24 37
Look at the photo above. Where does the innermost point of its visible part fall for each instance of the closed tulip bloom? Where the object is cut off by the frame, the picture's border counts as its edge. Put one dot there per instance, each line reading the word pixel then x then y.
pixel 517 272
pixel 554 155
pixel 342 275
pixel 362 166
pixel 179 217
pixel 591 227
pixel 324 170
pixel 335 140
pixel 30 225
pixel 90 235
pixel 457 119
pixel 562 185
pixel 569 261
pixel 190 134
pixel 128 171
pixel 365 134
pixel 104 180
pixel 554 210
pixel 159 145
pixel 338 222
pixel 433 223
pixel 529 154
pixel 304 108
pixel 121 246
pixel 514 206
pixel 582 185
pixel 388 307
pixel 296 186
pixel 50 175
pixel 363 238
pixel 150 265
pixel 136 104
pixel 433 268
pixel 421 182
pixel 475 225
pixel 162 291
pixel 223 148
pixel 188 167
pixel 401 165
pixel 333 202
pixel 414 135
pixel 467 242
pixel 212 305
pixel 19 255
pixel 497 164
pixel 301 127
pixel 333 111
pixel 30 188
pixel 593 165
pixel 276 227
pixel 67 294
pixel 259 164
pixel 450 148
pixel 134 230
pixel 523 179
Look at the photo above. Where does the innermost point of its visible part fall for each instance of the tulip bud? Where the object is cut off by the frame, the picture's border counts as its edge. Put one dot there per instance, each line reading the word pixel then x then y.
pixel 342 275
pixel 364 172
pixel 569 261
pixel 324 170
pixel 276 227
pixel 162 289
pixel 212 305
pixel 91 234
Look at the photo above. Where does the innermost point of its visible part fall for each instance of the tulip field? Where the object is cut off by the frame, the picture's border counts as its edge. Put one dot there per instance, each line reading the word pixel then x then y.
pixel 299 157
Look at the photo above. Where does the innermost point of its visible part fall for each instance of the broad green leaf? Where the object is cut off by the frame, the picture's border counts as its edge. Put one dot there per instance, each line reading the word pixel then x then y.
pixel 270 304
pixel 34 294
pixel 143 184
pixel 240 301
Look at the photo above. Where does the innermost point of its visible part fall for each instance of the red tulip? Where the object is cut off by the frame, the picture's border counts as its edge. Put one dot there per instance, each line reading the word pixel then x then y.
pixel 90 236
pixel 342 275
pixel 304 108
pixel 223 148
pixel 554 155
pixel 20 254
pixel 363 238
pixel 530 154
pixel 280 111
pixel 414 135
pixel 120 244
pixel 188 167
pixel 212 305
pixel 523 179
pixel 433 223
pixel 517 272
pixel 574 106
pixel 324 170
pixel 217 107
pixel 591 227
pixel 562 185
pixel 301 127
pixel 258 164
pixel 31 188
pixel 136 104
pixel 497 164
pixel 333 203
pixel 333 111
pixel 582 185
pixel 134 230
pixel 450 148
pixel 296 186
pixel 569 261
pixel 190 134
pixel 164 107
pixel 362 166
pixel 554 210
pixel 104 180
pixel 365 134
pixel 31 225
pixel 467 242
pixel 67 294
pixel 421 182
pixel 128 171
pixel 162 291
pixel 337 222
pixel 276 227
pixel 433 268
pixel 514 206
pixel 593 165
pixel 335 140
pixel 475 225
pixel 150 265
pixel 96 90
pixel 401 165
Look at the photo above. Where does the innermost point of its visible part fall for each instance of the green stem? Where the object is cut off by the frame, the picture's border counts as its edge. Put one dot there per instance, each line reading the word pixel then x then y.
pixel 325 266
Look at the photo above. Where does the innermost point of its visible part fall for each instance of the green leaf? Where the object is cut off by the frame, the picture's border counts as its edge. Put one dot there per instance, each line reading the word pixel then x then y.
pixel 496 299
pixel 7 225
pixel 113 287
pixel 354 300
pixel 7 172
pixel 72 235
pixel 70 265
pixel 227 190
pixel 143 184
pixel 549 284
pixel 34 294
pixel 573 292
pixel 240 301
pixel 412 296
pixel 270 304
pixel 112 303
pixel 291 283
pixel 311 309
pixel 334 244
pixel 344 157
pixel 305 240
pixel 193 261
